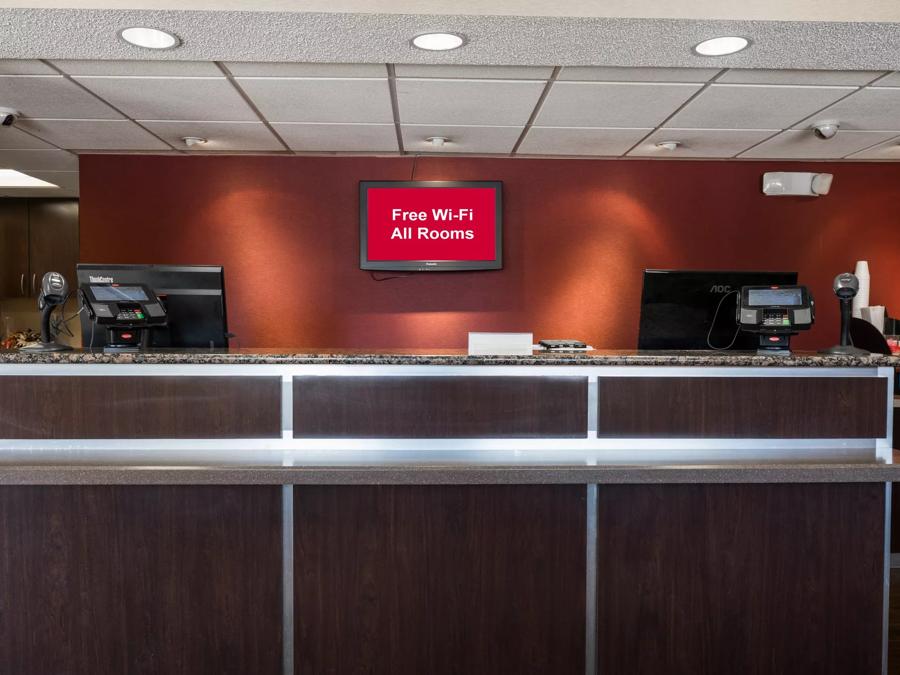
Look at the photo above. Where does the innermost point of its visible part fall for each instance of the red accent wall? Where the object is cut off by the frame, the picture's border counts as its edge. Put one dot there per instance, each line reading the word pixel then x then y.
pixel 577 234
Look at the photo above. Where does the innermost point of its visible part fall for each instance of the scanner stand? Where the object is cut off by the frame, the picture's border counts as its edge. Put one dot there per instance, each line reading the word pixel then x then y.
pixel 46 344
pixel 845 348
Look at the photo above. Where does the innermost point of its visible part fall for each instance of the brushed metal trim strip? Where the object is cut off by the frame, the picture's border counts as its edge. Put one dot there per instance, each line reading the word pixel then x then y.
pixel 551 446
pixel 287 579
pixel 349 370
pixel 287 407
pixel 886 451
pixel 886 602
pixel 591 582
pixel 592 410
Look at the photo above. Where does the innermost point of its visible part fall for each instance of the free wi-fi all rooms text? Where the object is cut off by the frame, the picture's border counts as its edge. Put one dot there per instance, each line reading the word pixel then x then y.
pixel 424 232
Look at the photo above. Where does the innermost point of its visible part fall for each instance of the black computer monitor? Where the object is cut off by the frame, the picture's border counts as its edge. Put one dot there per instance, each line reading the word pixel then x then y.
pixel 678 308
pixel 193 295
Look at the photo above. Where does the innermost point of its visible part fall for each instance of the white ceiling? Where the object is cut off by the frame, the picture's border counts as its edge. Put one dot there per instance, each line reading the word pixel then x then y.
pixel 72 106
pixel 771 10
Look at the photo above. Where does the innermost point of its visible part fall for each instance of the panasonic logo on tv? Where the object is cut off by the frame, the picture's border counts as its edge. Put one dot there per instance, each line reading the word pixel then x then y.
pixel 100 280
pixel 720 288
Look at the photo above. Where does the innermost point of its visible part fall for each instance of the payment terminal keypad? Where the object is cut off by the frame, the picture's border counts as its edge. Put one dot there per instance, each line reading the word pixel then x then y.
pixel 130 315
pixel 776 317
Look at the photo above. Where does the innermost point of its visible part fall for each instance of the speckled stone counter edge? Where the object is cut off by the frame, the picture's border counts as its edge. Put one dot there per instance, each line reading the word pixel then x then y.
pixel 596 358
pixel 445 474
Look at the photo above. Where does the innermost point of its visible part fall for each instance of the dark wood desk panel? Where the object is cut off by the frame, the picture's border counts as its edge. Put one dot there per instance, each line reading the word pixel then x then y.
pixel 440 407
pixel 743 579
pixel 140 580
pixel 441 580
pixel 742 407
pixel 146 406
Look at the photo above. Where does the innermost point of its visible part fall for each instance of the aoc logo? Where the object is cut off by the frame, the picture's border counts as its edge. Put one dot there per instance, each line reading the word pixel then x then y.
pixel 720 288
pixel 100 280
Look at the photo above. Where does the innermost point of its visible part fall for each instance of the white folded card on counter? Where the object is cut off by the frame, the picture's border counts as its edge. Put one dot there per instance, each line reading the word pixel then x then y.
pixel 500 344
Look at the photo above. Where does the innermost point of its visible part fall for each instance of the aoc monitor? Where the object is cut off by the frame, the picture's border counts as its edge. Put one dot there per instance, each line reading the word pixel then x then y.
pixel 430 226
pixel 685 310
pixel 193 295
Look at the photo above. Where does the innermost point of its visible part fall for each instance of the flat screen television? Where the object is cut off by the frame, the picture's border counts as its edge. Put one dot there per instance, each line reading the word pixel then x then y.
pixel 430 226
pixel 679 308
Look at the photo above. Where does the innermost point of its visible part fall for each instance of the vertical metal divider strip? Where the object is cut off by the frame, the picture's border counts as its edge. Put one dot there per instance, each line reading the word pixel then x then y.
pixel 590 622
pixel 287 406
pixel 591 537
pixel 287 535
pixel 886 603
pixel 592 407
pixel 287 579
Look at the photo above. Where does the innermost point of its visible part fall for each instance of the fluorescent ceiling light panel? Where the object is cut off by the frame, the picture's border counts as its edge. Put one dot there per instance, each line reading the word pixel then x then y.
pixel 10 178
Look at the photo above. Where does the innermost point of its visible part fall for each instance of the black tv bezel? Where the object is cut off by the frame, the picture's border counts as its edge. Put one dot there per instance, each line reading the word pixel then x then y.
pixel 429 265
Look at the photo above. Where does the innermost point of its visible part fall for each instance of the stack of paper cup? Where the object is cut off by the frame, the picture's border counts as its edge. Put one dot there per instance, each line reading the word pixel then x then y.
pixel 862 298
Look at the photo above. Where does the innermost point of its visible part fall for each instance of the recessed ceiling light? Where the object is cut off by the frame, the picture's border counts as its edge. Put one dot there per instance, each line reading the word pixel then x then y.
pixel 438 42
pixel 437 141
pixel 149 38
pixel 721 46
pixel 10 178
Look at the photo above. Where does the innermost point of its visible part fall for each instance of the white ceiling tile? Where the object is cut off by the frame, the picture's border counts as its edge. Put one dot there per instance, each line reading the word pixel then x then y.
pixel 580 141
pixel 462 139
pixel 25 67
pixel 889 149
pixel 822 77
pixel 38 160
pixel 474 72
pixel 618 104
pixel 151 98
pixel 16 139
pixel 467 102
pixel 872 108
pixel 259 69
pixel 366 101
pixel 136 68
pixel 751 106
pixel 94 134
pixel 701 142
pixel 803 144
pixel 615 74
pixel 339 137
pixel 891 80
pixel 67 182
pixel 52 97
pixel 220 136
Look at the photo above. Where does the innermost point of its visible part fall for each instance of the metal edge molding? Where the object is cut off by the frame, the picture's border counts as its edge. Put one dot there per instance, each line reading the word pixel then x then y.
pixel 287 579
pixel 350 370
pixel 590 600
pixel 886 602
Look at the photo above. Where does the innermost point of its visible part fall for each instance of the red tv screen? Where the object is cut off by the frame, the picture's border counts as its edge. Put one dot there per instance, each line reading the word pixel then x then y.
pixel 430 225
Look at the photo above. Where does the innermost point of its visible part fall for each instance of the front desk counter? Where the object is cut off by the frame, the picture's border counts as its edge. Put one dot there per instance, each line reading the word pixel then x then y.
pixel 330 513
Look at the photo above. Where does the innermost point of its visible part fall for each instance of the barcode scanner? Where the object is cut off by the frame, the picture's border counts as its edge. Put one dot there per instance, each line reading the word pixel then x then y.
pixel 54 293
pixel 846 286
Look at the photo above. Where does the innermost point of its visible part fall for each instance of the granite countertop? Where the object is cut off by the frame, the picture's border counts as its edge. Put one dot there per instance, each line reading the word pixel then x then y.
pixel 430 474
pixel 451 357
